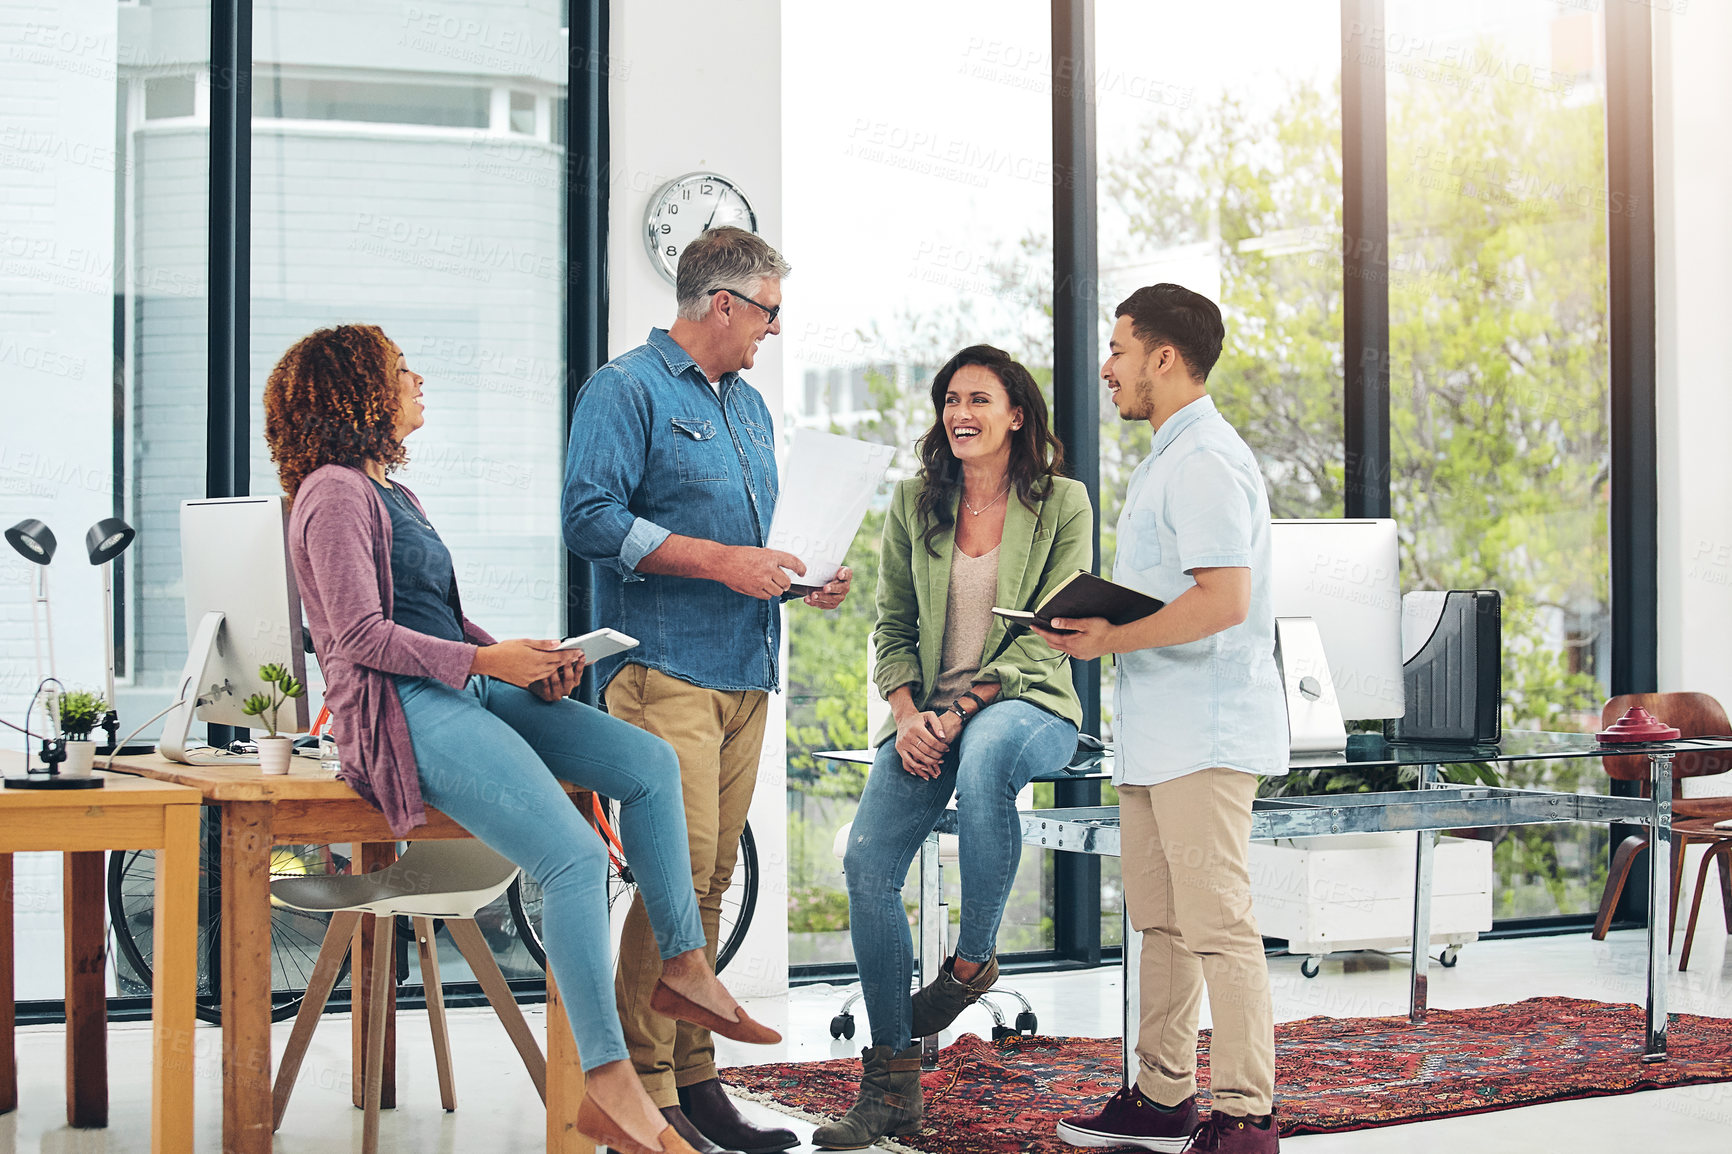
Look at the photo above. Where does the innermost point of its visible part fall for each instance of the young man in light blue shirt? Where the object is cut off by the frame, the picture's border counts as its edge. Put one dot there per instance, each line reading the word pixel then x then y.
pixel 1199 713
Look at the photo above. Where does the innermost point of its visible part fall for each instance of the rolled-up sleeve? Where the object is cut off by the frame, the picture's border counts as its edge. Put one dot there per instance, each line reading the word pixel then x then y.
pixel 604 464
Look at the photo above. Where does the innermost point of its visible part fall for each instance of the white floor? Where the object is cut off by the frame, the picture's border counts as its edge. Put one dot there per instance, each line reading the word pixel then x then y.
pixel 498 1109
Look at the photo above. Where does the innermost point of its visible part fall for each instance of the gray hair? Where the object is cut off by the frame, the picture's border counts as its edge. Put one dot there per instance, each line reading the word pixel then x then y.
pixel 724 258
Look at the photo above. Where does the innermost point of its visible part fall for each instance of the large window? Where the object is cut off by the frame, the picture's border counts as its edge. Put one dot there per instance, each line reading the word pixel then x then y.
pixel 103 173
pixel 918 193
pixel 1499 366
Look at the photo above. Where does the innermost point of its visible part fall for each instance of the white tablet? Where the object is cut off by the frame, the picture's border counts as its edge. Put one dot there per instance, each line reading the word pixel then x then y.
pixel 600 643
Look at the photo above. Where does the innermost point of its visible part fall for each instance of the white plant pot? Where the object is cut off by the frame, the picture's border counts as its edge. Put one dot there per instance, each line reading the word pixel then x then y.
pixel 80 758
pixel 274 753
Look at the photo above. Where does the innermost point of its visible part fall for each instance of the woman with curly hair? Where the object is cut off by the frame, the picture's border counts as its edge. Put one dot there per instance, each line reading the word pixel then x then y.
pixel 434 711
pixel 976 709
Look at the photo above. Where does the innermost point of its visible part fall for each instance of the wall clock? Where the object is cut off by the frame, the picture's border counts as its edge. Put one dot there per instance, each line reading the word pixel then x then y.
pixel 686 206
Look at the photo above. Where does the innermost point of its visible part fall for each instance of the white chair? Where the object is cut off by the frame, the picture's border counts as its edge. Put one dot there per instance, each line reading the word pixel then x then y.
pixel 433 879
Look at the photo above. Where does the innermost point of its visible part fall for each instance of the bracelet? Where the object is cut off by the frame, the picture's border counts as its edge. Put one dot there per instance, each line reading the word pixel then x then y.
pixel 956 708
pixel 979 702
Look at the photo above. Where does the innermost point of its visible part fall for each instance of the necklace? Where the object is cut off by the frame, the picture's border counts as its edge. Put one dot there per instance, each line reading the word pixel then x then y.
pixel 408 506
pixel 989 504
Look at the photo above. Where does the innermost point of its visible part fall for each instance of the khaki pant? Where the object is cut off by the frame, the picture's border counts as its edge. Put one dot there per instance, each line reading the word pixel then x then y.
pixel 1188 891
pixel 718 736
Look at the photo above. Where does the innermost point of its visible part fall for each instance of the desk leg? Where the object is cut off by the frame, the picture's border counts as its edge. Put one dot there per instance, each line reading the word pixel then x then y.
pixel 1659 903
pixel 934 929
pixel 565 1083
pixel 1425 846
pixel 8 1008
pixel 86 995
pixel 175 966
pixel 246 976
pixel 375 856
pixel 1133 989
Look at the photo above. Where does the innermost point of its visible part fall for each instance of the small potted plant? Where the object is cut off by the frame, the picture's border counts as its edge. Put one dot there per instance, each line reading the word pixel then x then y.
pixel 280 688
pixel 80 712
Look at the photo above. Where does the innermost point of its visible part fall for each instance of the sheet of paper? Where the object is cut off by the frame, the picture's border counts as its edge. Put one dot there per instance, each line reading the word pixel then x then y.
pixel 827 484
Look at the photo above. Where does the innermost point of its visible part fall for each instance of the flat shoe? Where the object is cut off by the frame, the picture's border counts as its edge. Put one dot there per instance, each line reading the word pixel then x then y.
pixel 670 1003
pixel 594 1122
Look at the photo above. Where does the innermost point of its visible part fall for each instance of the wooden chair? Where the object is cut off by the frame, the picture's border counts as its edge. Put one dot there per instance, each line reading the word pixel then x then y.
pixel 1719 842
pixel 1694 715
pixel 433 879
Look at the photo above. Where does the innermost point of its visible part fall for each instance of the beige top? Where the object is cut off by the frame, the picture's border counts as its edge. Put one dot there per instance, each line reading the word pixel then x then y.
pixel 967 617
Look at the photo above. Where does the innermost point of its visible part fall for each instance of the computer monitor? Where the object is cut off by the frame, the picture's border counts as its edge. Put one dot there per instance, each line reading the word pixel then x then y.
pixel 242 611
pixel 1345 575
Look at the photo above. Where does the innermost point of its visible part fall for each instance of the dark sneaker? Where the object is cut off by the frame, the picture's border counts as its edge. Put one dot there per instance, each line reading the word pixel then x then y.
pixel 1237 1134
pixel 1131 1119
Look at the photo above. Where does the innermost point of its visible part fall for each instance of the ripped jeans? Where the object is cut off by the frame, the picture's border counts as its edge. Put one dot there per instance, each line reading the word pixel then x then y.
pixel 1001 750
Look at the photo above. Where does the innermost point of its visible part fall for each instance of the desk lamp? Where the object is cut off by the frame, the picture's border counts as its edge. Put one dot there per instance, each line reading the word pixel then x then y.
pixel 35 543
pixel 106 540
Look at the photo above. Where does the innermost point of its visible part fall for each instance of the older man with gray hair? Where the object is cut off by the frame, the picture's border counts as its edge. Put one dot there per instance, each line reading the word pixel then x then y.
pixel 670 483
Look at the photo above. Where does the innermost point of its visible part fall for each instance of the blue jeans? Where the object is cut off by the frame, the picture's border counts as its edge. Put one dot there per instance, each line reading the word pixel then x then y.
pixel 1002 748
pixel 488 755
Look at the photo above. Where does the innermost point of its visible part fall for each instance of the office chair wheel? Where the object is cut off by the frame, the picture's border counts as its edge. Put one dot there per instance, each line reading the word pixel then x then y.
pixel 1027 1023
pixel 295 935
pixel 1310 967
pixel 1000 1033
pixel 1449 957
pixel 842 1025
pixel 738 904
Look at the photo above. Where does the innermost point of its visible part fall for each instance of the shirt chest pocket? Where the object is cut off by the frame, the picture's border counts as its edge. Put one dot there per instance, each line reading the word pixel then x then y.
pixel 1145 543
pixel 699 454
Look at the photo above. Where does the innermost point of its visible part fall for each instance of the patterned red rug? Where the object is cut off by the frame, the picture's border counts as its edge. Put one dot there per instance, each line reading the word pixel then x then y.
pixel 1331 1073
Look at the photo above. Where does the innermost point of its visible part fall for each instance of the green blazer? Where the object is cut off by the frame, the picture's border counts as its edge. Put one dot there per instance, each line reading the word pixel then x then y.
pixel 1041 547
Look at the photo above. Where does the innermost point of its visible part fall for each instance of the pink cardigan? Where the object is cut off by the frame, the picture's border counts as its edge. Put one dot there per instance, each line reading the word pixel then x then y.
pixel 340 543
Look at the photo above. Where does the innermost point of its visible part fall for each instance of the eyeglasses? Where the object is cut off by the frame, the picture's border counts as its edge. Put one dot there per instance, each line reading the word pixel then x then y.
pixel 769 310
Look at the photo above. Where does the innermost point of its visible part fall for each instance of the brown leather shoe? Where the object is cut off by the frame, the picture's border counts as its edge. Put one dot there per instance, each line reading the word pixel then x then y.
pixel 716 1117
pixel 694 1138
pixel 670 1003
pixel 594 1122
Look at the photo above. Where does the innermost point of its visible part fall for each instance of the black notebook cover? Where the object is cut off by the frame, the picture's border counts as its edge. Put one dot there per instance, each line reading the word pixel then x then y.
pixel 1085 595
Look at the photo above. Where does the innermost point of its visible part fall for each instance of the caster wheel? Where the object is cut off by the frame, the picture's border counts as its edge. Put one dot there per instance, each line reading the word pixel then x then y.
pixel 1000 1033
pixel 1310 967
pixel 1449 957
pixel 1027 1023
pixel 842 1026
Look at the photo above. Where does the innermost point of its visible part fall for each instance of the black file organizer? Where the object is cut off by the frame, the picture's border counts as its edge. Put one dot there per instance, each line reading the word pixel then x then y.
pixel 1454 684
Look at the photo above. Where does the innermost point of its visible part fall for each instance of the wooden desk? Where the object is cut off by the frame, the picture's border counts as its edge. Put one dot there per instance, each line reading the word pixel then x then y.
pixel 309 805
pixel 127 813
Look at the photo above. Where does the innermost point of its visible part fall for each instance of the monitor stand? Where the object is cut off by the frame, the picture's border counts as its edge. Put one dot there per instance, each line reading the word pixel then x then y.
pixel 176 730
pixel 1314 723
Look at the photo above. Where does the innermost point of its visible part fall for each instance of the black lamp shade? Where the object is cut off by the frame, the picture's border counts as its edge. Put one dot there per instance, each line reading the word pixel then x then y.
pixel 33 540
pixel 108 539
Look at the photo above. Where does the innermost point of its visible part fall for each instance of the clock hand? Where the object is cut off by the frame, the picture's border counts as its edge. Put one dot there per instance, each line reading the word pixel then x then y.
pixel 713 212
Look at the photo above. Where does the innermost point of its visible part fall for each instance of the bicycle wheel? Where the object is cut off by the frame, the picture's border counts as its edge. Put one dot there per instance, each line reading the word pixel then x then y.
pixel 295 935
pixel 738 904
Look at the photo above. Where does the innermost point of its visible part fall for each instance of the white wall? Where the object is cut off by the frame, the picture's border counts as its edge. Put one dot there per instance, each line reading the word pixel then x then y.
pixel 1692 182
pixel 698 85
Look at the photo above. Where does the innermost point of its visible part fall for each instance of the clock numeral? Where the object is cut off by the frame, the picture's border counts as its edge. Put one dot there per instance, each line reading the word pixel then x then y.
pixel 667 228
pixel 707 189
pixel 685 194
pixel 671 250
pixel 673 209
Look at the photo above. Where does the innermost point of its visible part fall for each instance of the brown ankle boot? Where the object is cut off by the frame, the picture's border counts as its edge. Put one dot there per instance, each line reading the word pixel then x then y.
pixel 889 1103
pixel 940 1001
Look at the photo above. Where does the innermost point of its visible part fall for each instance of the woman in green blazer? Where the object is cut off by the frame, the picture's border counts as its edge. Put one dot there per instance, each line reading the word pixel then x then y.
pixel 976 712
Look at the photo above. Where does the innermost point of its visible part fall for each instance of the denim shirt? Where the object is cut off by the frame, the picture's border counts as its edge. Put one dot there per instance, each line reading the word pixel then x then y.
pixel 655 450
pixel 1197 502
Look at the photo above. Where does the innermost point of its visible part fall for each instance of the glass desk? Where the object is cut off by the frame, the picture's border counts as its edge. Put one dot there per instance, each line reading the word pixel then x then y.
pixel 1429 807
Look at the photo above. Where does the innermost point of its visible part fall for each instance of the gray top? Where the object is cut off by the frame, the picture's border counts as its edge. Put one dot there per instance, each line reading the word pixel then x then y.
pixel 967 618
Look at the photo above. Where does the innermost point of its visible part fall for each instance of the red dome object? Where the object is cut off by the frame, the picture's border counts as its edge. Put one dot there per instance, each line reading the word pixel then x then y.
pixel 1636 725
